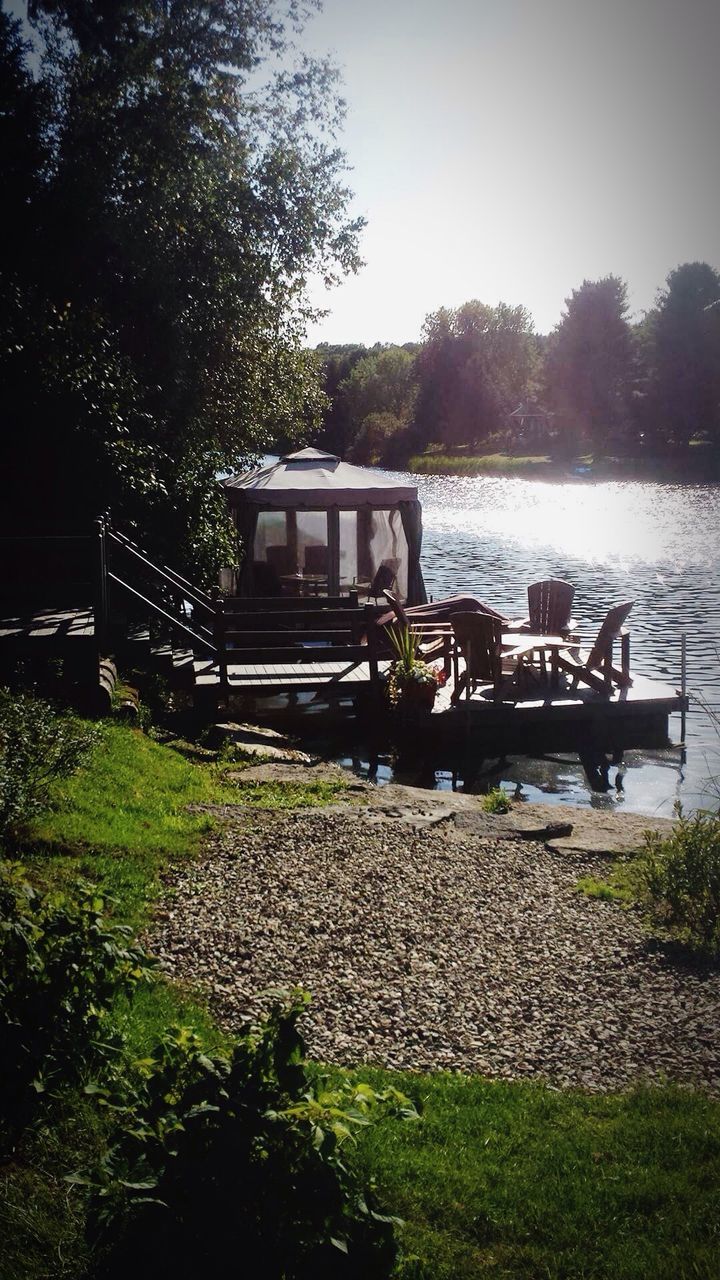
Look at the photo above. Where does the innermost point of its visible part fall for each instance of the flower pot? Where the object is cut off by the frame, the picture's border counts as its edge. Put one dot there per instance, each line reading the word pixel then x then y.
pixel 418 695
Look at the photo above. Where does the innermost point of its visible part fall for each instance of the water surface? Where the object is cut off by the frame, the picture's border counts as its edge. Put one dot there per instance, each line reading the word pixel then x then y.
pixel 657 544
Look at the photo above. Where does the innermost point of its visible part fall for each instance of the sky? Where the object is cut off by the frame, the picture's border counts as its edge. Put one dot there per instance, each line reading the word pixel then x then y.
pixel 506 150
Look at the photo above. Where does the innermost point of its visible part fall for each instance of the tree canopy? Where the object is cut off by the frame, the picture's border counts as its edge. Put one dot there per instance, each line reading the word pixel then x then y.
pixel 473 368
pixel 684 355
pixel 590 357
pixel 174 177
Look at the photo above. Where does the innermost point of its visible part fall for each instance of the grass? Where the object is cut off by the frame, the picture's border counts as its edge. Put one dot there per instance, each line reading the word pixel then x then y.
pixel 488 463
pixel 517 1180
pixel 122 817
pixel 287 795
pixel 502 1179
pixel 618 886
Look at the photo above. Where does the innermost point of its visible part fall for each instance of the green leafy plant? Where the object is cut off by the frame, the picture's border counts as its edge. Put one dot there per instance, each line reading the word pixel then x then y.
pixel 37 745
pixel 239 1156
pixel 62 965
pixel 679 880
pixel 495 801
pixel 409 673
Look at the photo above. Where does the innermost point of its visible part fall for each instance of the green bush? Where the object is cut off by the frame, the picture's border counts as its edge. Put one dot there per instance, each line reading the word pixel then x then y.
pixel 238 1157
pixel 680 880
pixel 61 968
pixel 37 745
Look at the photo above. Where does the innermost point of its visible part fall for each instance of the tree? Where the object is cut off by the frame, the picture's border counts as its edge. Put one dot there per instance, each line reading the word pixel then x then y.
pixel 475 364
pixel 684 354
pixel 178 181
pixel 590 358
pixel 338 362
pixel 379 395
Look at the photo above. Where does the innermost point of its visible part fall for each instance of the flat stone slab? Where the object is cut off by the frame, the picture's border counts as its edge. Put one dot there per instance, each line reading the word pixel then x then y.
pixel 591 831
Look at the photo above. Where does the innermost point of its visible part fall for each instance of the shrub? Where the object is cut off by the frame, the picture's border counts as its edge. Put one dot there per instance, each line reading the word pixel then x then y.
pixel 37 745
pixel 61 967
pixel 238 1157
pixel 680 880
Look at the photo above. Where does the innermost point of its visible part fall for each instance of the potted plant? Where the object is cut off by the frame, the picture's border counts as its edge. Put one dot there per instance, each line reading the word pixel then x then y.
pixel 411 683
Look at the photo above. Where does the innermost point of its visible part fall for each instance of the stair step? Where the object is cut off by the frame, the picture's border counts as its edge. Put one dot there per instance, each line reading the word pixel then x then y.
pixel 183 668
pixel 162 655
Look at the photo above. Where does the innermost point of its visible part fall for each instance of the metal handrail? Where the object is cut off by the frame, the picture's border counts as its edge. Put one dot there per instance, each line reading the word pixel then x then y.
pixel 176 579
pixel 196 636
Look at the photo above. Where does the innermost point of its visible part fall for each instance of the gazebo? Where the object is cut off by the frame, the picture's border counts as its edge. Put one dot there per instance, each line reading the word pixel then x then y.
pixel 531 421
pixel 313 522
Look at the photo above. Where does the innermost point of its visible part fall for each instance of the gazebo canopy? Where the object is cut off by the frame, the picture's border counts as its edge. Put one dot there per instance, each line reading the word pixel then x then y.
pixel 312 478
pixel 529 412
pixel 311 522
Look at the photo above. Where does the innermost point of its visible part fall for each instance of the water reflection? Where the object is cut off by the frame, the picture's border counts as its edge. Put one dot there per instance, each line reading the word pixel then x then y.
pixel 656 544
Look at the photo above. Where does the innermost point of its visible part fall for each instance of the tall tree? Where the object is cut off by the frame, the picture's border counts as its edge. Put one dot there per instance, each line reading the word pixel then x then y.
pixel 179 180
pixel 589 366
pixel 475 364
pixel 684 347
pixel 379 395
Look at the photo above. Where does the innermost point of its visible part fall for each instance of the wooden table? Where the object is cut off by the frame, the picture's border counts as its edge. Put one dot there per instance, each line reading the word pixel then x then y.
pixel 306 583
pixel 542 645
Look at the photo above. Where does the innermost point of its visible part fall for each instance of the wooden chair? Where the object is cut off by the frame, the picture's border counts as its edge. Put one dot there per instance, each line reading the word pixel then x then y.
pixel 549 606
pixel 479 638
pixel 316 559
pixel 265 579
pixel 433 637
pixel 385 578
pixel 279 559
pixel 597 669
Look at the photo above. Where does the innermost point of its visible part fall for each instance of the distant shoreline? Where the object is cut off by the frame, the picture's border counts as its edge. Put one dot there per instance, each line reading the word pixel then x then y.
pixel 700 466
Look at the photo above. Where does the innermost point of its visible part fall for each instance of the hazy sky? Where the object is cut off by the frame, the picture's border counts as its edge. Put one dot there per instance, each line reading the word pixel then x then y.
pixel 508 149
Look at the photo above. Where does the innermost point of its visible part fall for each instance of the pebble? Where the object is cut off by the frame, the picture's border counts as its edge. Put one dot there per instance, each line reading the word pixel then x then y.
pixel 434 947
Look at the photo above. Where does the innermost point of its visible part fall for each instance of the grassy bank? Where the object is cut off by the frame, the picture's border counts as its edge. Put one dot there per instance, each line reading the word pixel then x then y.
pixel 485 464
pixel 697 465
pixel 501 1179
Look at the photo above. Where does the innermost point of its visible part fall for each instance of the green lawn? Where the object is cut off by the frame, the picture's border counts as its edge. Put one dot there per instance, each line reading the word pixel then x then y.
pixel 519 1180
pixel 496 1179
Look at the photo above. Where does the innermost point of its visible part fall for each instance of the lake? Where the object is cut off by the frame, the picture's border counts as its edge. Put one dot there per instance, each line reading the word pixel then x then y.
pixel 657 544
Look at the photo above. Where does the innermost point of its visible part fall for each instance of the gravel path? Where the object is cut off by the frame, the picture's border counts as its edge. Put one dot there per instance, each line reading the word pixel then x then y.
pixel 434 946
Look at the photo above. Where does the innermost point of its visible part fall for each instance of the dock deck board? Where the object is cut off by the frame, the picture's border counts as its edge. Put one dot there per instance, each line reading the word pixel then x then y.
pixel 48 627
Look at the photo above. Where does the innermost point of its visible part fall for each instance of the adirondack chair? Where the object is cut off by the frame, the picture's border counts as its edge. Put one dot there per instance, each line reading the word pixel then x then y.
pixel 596 669
pixel 479 639
pixel 549 605
pixel 433 638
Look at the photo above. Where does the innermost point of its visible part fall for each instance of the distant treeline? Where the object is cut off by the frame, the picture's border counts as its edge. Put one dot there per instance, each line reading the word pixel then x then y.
pixel 597 383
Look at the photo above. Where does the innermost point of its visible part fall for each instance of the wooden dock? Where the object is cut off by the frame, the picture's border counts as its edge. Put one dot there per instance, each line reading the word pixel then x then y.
pixel 50 629
pixel 224 649
pixel 337 678
pixel 553 719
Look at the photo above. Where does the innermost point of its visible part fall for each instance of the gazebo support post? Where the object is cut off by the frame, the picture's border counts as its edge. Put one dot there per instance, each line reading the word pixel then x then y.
pixel 333 529
pixel 291 538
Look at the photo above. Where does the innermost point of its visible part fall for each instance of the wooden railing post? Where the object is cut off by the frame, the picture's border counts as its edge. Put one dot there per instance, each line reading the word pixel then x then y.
pixel 220 630
pixel 371 631
pixel 100 602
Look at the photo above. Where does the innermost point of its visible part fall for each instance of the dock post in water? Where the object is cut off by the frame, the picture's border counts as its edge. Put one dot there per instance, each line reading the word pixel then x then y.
pixel 683 687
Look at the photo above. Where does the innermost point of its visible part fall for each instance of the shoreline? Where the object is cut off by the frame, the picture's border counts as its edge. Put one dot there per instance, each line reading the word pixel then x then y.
pixel 704 470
